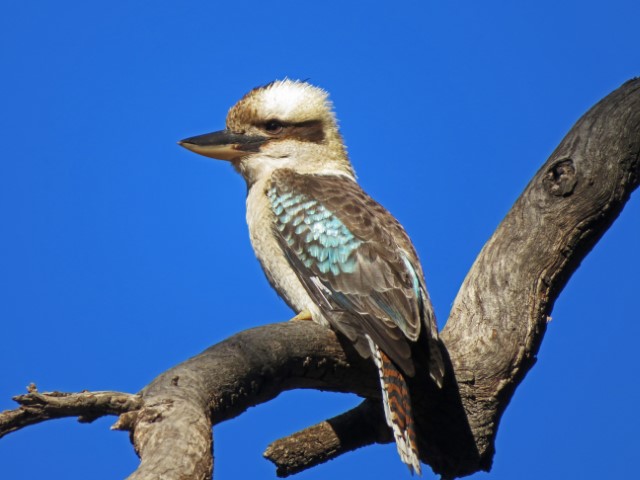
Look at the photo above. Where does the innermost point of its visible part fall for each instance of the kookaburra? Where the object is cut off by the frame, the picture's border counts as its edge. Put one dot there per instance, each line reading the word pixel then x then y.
pixel 333 253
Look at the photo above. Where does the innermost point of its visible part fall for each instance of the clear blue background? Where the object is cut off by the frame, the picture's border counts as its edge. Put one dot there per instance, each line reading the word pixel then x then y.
pixel 122 254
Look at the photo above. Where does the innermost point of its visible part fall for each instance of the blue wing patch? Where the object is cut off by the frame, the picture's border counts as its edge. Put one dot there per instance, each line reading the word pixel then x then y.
pixel 317 236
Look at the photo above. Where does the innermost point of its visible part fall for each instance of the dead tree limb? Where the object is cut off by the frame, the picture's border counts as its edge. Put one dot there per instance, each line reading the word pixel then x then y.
pixel 87 406
pixel 491 337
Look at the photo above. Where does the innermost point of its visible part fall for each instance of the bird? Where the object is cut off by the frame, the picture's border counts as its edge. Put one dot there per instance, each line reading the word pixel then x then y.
pixel 334 255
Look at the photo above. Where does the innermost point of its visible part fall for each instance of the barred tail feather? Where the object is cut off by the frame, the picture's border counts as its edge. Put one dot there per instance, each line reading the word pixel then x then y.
pixel 397 408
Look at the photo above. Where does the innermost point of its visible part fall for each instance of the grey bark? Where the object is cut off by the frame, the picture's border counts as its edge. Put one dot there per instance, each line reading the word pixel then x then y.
pixel 490 340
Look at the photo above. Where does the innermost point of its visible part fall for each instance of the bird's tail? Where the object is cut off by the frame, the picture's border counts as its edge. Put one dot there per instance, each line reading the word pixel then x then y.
pixel 397 409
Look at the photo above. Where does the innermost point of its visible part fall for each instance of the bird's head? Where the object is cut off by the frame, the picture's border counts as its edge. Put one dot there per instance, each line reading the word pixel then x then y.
pixel 285 124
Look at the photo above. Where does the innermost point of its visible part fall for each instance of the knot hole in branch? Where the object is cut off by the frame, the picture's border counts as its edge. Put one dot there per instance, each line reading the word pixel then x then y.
pixel 560 180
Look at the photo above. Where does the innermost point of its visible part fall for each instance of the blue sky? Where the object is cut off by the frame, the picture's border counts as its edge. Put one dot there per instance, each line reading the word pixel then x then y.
pixel 122 254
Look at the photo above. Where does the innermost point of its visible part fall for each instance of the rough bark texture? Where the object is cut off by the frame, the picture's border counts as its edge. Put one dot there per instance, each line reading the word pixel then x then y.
pixel 87 406
pixel 501 312
pixel 490 340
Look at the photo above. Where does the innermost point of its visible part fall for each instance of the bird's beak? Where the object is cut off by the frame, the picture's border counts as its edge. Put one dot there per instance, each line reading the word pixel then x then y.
pixel 224 145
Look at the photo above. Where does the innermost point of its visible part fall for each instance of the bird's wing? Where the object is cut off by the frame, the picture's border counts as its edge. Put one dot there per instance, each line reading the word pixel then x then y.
pixel 354 259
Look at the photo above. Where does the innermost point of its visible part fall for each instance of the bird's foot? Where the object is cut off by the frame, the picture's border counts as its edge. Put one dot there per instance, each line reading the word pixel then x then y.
pixel 303 315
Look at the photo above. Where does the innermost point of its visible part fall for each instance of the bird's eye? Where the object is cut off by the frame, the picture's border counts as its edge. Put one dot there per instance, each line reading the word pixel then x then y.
pixel 273 127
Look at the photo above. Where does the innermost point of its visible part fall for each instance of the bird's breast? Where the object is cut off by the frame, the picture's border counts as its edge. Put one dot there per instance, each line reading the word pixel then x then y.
pixel 281 276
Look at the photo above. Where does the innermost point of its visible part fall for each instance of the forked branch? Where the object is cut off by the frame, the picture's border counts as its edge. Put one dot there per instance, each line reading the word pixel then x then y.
pixel 491 338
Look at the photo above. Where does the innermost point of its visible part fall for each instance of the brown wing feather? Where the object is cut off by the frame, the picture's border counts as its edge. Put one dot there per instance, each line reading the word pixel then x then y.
pixel 378 294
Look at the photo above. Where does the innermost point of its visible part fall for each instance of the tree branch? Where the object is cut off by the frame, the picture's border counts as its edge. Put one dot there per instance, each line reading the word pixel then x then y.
pixel 490 341
pixel 38 407
pixel 356 428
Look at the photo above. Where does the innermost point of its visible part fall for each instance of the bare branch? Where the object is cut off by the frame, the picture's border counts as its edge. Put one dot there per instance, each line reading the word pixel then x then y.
pixel 87 406
pixel 172 432
pixel 356 428
pixel 500 315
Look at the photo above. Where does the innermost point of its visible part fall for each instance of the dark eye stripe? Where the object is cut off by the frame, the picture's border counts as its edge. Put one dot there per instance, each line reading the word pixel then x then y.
pixel 309 131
